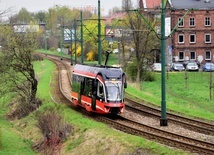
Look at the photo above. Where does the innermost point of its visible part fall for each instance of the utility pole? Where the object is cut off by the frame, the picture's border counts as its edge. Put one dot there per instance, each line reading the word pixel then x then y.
pixel 61 36
pixel 46 50
pixel 82 51
pixel 75 39
pixel 71 46
pixel 99 35
pixel 163 119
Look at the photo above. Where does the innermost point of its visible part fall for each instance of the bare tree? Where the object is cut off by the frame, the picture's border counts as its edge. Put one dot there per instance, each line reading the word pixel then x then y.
pixel 127 5
pixel 144 40
pixel 16 64
pixel 5 12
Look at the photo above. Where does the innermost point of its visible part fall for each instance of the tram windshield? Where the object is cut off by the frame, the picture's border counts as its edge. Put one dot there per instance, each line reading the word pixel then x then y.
pixel 114 91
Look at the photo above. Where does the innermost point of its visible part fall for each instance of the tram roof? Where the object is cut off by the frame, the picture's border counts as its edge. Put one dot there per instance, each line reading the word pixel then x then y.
pixel 106 71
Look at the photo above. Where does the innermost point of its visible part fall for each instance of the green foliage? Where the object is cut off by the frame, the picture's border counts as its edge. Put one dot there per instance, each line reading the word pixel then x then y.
pixel 17 58
pixel 145 75
pixel 91 56
pixel 24 16
pixel 144 40
pixel 79 51
pixel 148 76
pixel 52 49
pixel 90 30
pixel 40 16
pixel 132 70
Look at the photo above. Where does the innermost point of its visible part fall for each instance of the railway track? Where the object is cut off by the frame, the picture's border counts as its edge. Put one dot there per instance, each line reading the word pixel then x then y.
pixel 130 126
pixel 161 136
pixel 192 124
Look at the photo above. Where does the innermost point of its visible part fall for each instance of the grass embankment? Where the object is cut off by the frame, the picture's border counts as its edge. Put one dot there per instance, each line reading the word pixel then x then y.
pixel 11 139
pixel 89 137
pixel 190 96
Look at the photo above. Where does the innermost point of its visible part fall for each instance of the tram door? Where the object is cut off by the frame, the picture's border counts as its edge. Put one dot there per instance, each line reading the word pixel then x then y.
pixel 80 91
pixel 94 94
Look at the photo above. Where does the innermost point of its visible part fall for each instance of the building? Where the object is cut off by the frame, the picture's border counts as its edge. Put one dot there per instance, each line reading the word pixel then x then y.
pixel 193 39
pixel 115 16
pixel 149 4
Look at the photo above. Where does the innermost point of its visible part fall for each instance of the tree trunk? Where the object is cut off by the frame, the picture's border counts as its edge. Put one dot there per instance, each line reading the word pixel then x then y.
pixel 138 73
pixel 34 84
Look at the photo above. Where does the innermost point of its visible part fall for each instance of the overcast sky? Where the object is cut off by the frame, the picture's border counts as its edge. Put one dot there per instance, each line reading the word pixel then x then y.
pixel 38 5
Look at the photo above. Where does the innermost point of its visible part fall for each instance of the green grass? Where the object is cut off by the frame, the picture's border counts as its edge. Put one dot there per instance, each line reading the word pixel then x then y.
pixel 86 130
pixel 83 125
pixel 11 141
pixel 191 96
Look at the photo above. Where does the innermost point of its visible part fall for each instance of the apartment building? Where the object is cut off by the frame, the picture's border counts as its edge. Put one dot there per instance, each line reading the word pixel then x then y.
pixel 193 39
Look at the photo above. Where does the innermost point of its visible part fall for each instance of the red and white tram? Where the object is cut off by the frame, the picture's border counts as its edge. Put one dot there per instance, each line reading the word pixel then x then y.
pixel 99 89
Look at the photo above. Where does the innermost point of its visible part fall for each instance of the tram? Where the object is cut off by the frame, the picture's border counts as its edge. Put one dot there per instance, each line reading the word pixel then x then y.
pixel 99 89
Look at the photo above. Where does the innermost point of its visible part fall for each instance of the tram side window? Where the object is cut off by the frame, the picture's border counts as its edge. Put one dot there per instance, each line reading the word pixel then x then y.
pixel 100 91
pixel 87 87
pixel 76 83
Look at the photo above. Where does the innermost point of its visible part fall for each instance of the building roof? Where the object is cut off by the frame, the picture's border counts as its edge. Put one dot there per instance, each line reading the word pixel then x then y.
pixel 118 15
pixel 192 4
pixel 151 3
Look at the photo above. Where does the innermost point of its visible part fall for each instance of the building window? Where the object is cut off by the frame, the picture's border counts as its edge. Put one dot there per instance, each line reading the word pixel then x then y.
pixel 181 55
pixel 207 38
pixel 207 55
pixel 181 24
pixel 180 38
pixel 192 22
pixel 192 56
pixel 207 21
pixel 192 38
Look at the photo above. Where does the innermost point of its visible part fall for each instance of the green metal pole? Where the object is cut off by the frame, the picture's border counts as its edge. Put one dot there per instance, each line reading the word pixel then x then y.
pixel 46 45
pixel 82 51
pixel 75 41
pixel 61 34
pixel 163 119
pixel 71 47
pixel 99 35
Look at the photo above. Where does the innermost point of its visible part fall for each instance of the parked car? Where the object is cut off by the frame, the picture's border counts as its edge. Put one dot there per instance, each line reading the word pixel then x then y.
pixel 208 67
pixel 192 66
pixel 177 67
pixel 156 67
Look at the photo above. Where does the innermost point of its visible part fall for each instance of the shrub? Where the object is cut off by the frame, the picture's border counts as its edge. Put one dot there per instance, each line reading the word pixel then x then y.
pixel 132 71
pixel 54 130
pixel 148 76
pixel 23 108
pixel 79 52
pixel 145 75
pixel 37 57
pixel 91 56
pixel 52 49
